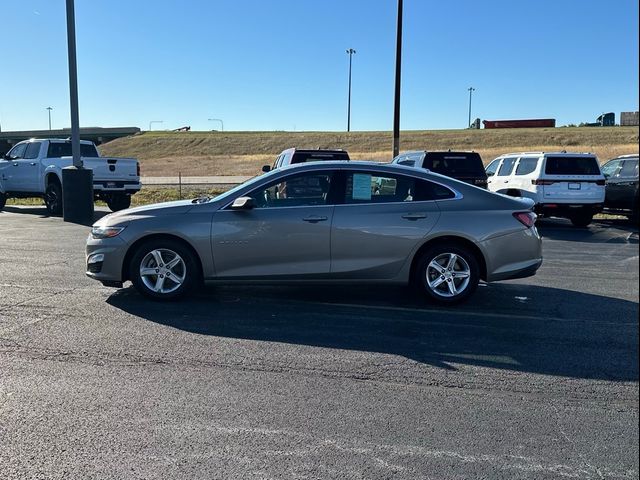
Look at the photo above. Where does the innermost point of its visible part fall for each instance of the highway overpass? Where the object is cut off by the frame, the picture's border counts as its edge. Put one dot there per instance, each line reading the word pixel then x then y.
pixel 97 135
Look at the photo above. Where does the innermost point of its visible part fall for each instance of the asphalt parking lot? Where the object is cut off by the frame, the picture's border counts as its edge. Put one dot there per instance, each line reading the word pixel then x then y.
pixel 534 378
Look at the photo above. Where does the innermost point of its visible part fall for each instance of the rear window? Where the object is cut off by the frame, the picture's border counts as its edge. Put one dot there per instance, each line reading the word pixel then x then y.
pixel 452 164
pixel 57 150
pixel 303 157
pixel 572 166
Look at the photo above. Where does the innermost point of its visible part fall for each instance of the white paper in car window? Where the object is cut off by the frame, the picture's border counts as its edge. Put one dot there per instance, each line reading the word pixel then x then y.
pixel 361 186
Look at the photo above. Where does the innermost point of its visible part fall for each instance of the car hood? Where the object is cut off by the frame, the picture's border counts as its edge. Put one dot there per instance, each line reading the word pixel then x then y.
pixel 154 210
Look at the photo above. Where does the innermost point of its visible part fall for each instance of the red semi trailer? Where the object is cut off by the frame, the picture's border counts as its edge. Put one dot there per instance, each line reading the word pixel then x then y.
pixel 530 123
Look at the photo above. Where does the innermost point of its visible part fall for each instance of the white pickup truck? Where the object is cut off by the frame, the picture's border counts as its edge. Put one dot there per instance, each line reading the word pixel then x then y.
pixel 33 168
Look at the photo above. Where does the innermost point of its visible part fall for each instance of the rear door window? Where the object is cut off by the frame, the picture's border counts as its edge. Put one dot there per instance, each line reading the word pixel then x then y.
pixel 371 187
pixel 567 165
pixel 526 165
pixel 507 167
pixel 33 149
pixel 629 168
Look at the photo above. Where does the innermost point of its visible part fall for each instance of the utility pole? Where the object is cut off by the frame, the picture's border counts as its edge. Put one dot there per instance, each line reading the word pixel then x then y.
pixel 471 89
pixel 350 51
pixel 49 108
pixel 396 107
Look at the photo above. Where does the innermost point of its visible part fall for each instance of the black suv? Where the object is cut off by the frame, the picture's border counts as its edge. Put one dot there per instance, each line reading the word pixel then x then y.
pixel 621 195
pixel 291 156
pixel 464 166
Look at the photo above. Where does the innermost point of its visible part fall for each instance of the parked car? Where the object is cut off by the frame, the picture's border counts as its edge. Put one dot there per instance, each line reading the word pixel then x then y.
pixel 439 233
pixel 622 186
pixel 464 166
pixel 292 156
pixel 33 168
pixel 561 184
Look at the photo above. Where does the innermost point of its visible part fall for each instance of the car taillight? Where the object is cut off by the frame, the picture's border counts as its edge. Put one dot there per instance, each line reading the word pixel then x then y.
pixel 542 182
pixel 528 219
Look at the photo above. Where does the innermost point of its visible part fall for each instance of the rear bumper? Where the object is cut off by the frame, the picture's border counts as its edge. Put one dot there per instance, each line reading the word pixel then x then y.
pixel 516 255
pixel 566 209
pixel 111 186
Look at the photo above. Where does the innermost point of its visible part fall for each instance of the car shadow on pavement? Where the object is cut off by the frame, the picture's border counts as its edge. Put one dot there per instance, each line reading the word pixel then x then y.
pixel 42 211
pixel 599 231
pixel 515 327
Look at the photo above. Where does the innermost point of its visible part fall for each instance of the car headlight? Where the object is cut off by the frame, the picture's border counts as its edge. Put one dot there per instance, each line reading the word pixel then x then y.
pixel 105 232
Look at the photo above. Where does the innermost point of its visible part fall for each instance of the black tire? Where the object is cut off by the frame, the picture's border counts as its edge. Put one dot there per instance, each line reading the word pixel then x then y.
pixel 426 275
pixel 118 202
pixel 581 219
pixel 188 271
pixel 53 198
pixel 3 200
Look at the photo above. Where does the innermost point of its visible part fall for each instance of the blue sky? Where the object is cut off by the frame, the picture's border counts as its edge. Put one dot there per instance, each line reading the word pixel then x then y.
pixel 282 64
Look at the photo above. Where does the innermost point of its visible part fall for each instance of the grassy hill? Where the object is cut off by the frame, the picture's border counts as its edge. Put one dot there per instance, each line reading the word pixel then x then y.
pixel 243 153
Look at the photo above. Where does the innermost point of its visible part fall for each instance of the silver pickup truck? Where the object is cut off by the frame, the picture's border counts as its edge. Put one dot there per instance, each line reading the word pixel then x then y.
pixel 33 168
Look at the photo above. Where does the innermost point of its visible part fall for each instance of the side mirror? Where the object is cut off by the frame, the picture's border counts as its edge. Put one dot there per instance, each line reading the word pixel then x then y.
pixel 266 168
pixel 490 174
pixel 242 203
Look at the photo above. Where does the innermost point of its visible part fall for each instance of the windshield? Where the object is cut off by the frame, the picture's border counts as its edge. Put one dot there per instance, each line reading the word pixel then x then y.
pixel 572 166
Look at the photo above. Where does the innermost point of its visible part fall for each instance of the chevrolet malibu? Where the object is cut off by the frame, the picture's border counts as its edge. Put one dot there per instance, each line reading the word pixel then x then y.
pixel 335 222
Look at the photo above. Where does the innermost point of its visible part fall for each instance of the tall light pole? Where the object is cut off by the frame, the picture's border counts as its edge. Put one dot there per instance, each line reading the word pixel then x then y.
pixel 217 120
pixel 154 121
pixel 77 181
pixel 49 108
pixel 396 102
pixel 350 51
pixel 471 89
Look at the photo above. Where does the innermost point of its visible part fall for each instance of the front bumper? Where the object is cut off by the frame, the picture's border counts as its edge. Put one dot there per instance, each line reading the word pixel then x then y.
pixel 104 260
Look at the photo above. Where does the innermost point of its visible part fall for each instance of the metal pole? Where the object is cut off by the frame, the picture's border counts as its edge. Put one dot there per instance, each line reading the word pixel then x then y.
pixel 49 108
pixel 350 51
pixel 469 119
pixel 396 107
pixel 217 120
pixel 73 85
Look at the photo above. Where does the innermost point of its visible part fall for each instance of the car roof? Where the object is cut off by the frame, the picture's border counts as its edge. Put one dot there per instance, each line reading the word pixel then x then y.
pixel 314 150
pixel 55 140
pixel 562 153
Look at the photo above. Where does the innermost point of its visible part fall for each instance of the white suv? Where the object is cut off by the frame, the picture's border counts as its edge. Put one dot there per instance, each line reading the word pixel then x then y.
pixel 562 184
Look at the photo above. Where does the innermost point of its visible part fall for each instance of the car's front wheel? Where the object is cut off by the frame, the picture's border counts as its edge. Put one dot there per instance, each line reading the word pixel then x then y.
pixel 448 274
pixel 163 269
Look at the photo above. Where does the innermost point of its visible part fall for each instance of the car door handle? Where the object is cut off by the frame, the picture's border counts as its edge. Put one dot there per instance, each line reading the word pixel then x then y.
pixel 315 219
pixel 16 164
pixel 506 181
pixel 33 164
pixel 414 216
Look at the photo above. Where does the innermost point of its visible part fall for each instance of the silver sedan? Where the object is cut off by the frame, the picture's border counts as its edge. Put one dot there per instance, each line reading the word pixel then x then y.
pixel 323 222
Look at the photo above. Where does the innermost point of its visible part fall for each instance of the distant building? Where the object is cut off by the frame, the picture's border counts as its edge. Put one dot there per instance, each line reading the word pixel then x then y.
pixel 629 119
pixel 525 123
pixel 606 119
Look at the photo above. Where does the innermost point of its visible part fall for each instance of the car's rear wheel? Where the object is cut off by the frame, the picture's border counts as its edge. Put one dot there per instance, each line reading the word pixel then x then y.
pixel 448 274
pixel 3 200
pixel 118 202
pixel 163 269
pixel 53 198
pixel 581 219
